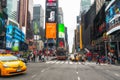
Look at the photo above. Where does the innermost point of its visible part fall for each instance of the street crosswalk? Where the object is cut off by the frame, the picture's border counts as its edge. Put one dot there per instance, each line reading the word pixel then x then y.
pixel 70 62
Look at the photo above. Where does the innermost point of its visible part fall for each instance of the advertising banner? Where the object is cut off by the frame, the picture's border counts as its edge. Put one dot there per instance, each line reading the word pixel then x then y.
pixel 113 17
pixel 61 31
pixel 9 34
pixel 51 14
pixel 51 18
pixel 50 30
pixel 13 36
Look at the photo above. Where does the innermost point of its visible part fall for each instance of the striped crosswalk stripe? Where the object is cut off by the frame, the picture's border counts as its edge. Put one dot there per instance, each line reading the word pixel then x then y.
pixel 70 62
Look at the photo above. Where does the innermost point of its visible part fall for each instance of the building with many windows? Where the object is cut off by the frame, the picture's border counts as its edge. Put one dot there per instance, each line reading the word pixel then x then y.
pixel 38 20
pixel 12 9
pixel 85 5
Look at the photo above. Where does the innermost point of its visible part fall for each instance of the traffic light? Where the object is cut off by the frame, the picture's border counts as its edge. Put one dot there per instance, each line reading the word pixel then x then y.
pixel 3 3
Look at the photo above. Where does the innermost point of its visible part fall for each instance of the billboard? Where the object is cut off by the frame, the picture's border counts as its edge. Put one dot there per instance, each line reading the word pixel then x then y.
pixel 51 30
pixel 13 37
pixel 113 17
pixel 61 31
pixel 51 18
pixel 112 14
pixel 61 42
pixel 15 45
pixel 9 34
pixel 51 15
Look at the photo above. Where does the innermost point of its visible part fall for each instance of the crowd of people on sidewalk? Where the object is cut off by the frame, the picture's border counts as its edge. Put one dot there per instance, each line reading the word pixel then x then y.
pixel 34 55
pixel 109 59
pixel 99 58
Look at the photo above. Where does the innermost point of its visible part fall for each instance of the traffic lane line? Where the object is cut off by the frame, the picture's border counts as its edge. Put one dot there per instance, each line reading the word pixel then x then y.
pixel 34 75
pixel 117 75
pixel 78 78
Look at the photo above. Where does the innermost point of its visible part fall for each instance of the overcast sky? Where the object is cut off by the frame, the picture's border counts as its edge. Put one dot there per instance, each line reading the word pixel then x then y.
pixel 71 9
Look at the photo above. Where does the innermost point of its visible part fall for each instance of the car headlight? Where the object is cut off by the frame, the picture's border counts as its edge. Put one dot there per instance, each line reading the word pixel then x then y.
pixel 5 66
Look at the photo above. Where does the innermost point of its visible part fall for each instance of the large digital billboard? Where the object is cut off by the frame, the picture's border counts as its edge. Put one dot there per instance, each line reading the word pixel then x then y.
pixel 9 34
pixel 51 18
pixel 61 31
pixel 51 11
pixel 13 36
pixel 15 45
pixel 50 30
pixel 113 17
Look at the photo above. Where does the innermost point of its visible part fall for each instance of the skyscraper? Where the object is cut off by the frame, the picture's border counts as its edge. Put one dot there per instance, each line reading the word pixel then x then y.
pixel 31 8
pixel 38 19
pixel 12 9
pixel 23 14
pixel 85 5
pixel 60 15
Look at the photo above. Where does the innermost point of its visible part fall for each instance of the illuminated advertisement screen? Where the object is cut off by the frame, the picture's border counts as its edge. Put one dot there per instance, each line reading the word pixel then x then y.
pixel 61 31
pixel 9 34
pixel 111 12
pixel 50 30
pixel 51 16
pixel 15 45
pixel 13 37
pixel 61 42
pixel 61 28
pixel 51 11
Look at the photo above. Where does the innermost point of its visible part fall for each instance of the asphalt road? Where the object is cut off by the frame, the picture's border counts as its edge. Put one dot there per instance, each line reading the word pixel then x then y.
pixel 67 70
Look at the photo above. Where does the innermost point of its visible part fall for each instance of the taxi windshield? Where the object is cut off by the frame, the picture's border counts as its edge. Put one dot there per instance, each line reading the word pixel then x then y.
pixel 8 58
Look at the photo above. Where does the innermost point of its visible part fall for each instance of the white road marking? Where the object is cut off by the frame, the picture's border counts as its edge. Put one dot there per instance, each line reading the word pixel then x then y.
pixel 66 62
pixel 48 62
pixel 117 74
pixel 57 62
pixel 62 62
pixel 34 76
pixel 79 62
pixel 71 62
pixel 78 78
pixel 43 70
pixel 76 72
pixel 75 62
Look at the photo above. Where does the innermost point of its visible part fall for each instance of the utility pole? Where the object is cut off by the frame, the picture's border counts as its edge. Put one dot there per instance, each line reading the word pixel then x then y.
pixel 106 49
pixel 118 47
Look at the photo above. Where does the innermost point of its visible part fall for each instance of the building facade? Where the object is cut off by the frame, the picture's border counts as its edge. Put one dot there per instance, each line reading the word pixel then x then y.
pixel 99 4
pixel 87 24
pixel 113 27
pixel 85 5
pixel 12 9
pixel 60 15
pixel 38 19
pixel 23 14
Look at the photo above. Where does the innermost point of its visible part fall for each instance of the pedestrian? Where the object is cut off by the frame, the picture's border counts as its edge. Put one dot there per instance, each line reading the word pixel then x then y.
pixel 40 54
pixel 98 59
pixel 110 55
pixel 42 58
pixel 34 55
pixel 83 59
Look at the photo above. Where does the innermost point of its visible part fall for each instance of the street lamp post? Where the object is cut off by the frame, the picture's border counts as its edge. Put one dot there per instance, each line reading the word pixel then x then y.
pixel 106 49
pixel 118 47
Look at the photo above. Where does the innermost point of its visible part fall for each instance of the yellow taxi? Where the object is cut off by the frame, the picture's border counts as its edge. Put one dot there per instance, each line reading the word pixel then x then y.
pixel 72 57
pixel 11 65
pixel 75 57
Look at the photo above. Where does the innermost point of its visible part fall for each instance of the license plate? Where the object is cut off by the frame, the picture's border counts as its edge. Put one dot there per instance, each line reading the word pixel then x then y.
pixel 18 70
